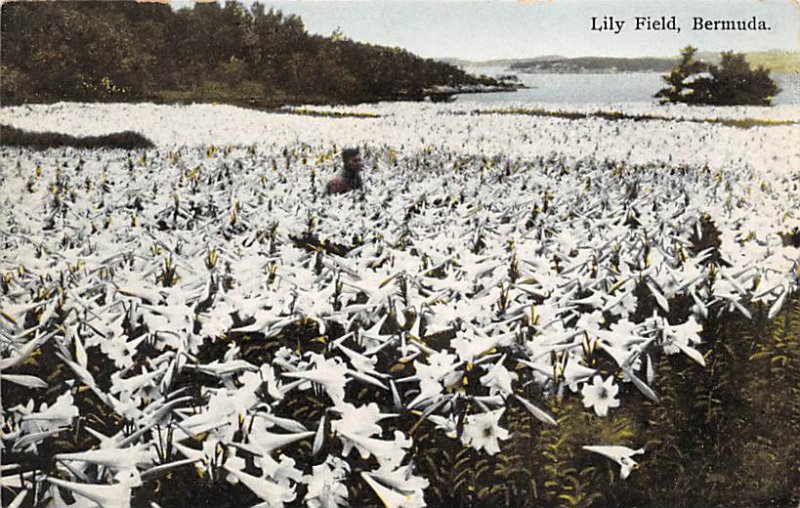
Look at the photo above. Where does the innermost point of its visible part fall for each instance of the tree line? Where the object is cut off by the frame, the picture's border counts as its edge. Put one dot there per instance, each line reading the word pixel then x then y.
pixel 130 51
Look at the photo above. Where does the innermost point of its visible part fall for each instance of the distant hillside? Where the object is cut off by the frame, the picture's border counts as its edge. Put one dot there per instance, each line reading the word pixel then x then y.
pixel 775 61
pixel 505 62
pixel 131 51
pixel 595 64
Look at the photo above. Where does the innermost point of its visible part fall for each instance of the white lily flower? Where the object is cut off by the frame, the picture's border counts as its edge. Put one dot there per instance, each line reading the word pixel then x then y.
pixel 115 458
pixel 275 494
pixel 619 454
pixel 330 373
pixel 498 379
pixel 325 484
pixel 600 395
pixel 397 488
pixel 60 414
pixel 388 452
pixel 117 495
pixel 483 431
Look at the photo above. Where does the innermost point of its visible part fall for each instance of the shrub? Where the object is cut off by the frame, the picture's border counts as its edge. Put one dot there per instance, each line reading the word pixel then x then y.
pixel 731 83
pixel 11 136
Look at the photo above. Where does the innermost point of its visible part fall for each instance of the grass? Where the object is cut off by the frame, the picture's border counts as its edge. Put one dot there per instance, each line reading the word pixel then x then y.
pixel 327 114
pixel 11 136
pixel 616 115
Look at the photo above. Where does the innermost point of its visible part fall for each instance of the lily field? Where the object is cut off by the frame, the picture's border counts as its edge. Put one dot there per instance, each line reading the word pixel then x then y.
pixel 524 308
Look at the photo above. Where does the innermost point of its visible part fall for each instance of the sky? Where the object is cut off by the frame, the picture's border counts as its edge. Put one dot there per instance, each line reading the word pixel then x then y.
pixel 495 29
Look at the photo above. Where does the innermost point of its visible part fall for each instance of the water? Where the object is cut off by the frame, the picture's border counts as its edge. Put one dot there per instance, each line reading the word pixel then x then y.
pixel 601 88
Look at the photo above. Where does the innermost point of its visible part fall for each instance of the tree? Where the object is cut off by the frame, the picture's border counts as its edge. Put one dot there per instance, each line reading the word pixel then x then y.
pixel 682 79
pixel 735 83
pixel 731 83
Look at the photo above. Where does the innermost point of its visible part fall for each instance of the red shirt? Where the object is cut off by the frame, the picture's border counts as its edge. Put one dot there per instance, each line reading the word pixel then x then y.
pixel 340 184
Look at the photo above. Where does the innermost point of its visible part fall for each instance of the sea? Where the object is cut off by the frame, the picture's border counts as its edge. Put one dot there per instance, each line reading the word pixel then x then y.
pixel 600 88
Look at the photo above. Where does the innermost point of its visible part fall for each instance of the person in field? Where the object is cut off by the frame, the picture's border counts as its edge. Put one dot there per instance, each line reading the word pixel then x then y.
pixel 349 178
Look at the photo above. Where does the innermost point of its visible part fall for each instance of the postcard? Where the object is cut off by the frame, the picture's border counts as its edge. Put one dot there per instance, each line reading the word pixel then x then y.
pixel 445 253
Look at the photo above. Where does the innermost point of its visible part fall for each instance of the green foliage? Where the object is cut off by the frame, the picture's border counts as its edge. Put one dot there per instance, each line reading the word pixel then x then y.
pixel 123 51
pixel 743 123
pixel 11 136
pixel 734 83
pixel 14 86
pixel 688 66
pixel 730 83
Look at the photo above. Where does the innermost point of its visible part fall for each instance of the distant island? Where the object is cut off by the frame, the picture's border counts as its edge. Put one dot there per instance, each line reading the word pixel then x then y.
pixel 774 61
pixel 593 65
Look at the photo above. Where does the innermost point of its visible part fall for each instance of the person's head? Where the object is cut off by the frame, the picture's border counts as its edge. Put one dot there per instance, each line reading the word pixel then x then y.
pixel 352 159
